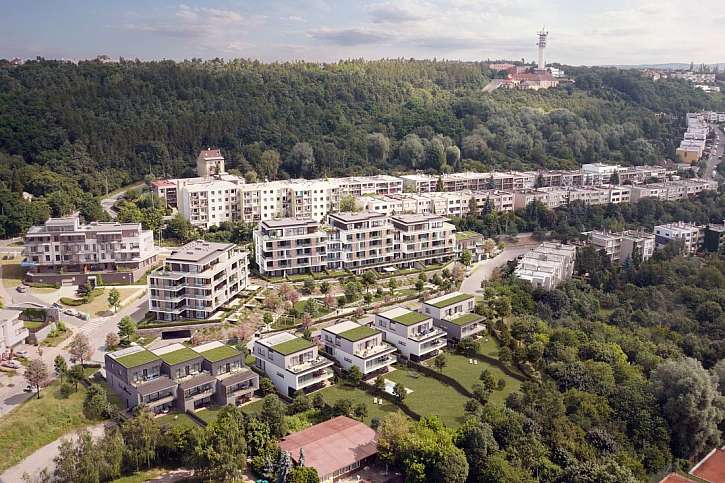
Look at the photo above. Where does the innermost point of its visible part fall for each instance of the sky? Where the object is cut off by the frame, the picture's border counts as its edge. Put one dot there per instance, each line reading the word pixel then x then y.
pixel 588 32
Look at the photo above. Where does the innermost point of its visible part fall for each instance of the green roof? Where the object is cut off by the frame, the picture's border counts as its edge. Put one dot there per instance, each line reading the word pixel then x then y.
pixel 292 346
pixel 465 235
pixel 465 319
pixel 137 359
pixel 358 333
pixel 410 318
pixel 220 353
pixel 179 356
pixel 451 300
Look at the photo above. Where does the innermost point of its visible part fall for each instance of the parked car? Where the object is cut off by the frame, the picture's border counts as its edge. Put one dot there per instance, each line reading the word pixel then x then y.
pixel 12 364
pixel 22 353
pixel 70 312
pixel 22 288
pixel 28 388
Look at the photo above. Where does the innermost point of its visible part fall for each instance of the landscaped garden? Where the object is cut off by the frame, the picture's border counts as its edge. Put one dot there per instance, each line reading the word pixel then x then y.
pixel 430 397
pixel 332 394
pixel 179 419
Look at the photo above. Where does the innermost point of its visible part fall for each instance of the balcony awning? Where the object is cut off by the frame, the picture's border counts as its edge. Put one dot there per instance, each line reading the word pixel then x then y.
pixel 198 380
pixel 156 385
pixel 240 376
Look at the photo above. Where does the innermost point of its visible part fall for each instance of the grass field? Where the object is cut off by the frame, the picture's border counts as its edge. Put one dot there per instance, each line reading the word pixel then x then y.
pixel 12 272
pixel 99 304
pixel 458 368
pixel 177 419
pixel 209 414
pixel 430 397
pixel 38 422
pixel 253 407
pixel 332 394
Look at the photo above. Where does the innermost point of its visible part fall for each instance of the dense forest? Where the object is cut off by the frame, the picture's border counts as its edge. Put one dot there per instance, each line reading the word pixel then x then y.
pixel 70 132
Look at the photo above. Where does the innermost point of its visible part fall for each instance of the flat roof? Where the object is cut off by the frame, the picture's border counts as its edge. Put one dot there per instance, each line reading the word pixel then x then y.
pixel 332 445
pixel 416 218
pixel 133 356
pixel 348 216
pixel 467 235
pixel 404 316
pixel 284 222
pixel 178 356
pixel 465 319
pixel 448 299
pixel 216 354
pixel 198 251
pixel 286 343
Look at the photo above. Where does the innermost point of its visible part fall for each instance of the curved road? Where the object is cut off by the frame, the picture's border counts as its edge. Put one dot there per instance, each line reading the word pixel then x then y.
pixel 484 269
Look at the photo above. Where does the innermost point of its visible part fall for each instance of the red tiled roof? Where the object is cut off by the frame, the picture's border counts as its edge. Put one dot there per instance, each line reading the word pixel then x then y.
pixel 675 478
pixel 210 153
pixel 162 183
pixel 712 467
pixel 332 445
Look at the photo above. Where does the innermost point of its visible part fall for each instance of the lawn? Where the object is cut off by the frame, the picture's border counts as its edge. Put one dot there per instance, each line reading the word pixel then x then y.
pixel 458 368
pixel 55 341
pixel 332 394
pixel 141 476
pixel 99 304
pixel 209 414
pixel 178 419
pixel 430 397
pixel 254 407
pixel 488 347
pixel 12 272
pixel 38 422
pixel 32 325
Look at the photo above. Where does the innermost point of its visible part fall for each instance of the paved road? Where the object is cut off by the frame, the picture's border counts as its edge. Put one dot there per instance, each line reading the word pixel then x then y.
pixel 108 202
pixel 42 458
pixel 484 269
pixel 715 154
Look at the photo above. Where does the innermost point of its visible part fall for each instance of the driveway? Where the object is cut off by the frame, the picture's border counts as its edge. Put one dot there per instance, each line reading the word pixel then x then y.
pixel 715 154
pixel 43 458
pixel 484 270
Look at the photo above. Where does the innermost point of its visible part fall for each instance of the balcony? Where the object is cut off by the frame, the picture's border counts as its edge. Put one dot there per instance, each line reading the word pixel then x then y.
pixel 427 335
pixel 314 378
pixel 375 351
pixel 320 362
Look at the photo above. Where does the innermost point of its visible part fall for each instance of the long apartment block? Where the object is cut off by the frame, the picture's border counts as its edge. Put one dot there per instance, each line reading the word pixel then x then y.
pixel 362 240
pixel 423 239
pixel 453 313
pixel 412 333
pixel 66 249
pixel 547 265
pixel 196 280
pixel 177 377
pixel 292 363
pixel 289 246
pixel 355 345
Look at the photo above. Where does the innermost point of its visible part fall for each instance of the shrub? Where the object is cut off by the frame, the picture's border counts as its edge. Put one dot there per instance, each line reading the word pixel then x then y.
pixel 66 390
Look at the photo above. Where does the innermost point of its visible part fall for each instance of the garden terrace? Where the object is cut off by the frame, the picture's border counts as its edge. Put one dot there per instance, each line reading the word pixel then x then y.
pixel 446 302
pixel 465 319
pixel 358 333
pixel 295 345
pixel 411 318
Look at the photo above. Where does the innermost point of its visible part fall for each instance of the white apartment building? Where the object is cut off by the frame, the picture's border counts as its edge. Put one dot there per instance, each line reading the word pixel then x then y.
pixel 621 246
pixel 369 185
pixel 453 313
pixel 412 333
pixel 419 183
pixel 423 239
pixel 550 197
pixel 65 249
pixel 292 363
pixel 210 202
pixel 547 265
pixel 355 345
pixel 366 240
pixel 691 235
pixel 288 246
pixel 12 329
pixel 196 280
pixel 672 190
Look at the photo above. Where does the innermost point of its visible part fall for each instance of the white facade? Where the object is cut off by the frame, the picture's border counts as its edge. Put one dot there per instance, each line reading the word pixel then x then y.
pixel 293 364
pixel 547 265
pixel 691 235
pixel 621 246
pixel 355 345
pixel 196 280
pixel 412 333
pixel 12 329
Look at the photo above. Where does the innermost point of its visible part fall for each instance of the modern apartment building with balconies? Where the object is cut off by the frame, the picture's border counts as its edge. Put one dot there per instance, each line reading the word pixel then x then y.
pixel 355 345
pixel 547 265
pixel 176 377
pixel 619 247
pixel 366 240
pixel 411 332
pixel 290 246
pixel 453 313
pixel 196 280
pixel 292 363
pixel 423 239
pixel 65 249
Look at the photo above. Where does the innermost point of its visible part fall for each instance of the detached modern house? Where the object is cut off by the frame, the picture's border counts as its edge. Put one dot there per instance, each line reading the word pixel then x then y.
pixel 453 313
pixel 179 377
pixel 355 345
pixel 292 363
pixel 412 333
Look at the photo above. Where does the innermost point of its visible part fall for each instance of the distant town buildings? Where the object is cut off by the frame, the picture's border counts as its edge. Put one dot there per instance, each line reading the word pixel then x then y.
pixel 547 265
pixel 177 377
pixel 64 249
pixel 196 280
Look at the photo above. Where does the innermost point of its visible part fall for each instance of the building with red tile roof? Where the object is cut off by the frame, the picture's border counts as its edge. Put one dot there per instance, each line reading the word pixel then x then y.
pixel 712 467
pixel 334 447
pixel 675 478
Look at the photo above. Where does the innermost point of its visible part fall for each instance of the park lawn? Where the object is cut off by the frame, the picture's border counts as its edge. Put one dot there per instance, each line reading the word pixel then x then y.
pixel 37 422
pixel 209 414
pixel 12 273
pixel 178 419
pixel 430 397
pixel 254 407
pixel 99 304
pixel 141 476
pixel 458 368
pixel 321 309
pixel 332 394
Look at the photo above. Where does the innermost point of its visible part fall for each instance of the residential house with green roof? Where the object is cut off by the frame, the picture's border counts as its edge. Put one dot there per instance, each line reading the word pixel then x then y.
pixel 412 333
pixel 180 377
pixel 292 363
pixel 453 312
pixel 355 345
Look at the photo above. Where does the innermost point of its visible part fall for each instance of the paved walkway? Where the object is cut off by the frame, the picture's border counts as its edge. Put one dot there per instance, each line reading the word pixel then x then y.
pixel 42 458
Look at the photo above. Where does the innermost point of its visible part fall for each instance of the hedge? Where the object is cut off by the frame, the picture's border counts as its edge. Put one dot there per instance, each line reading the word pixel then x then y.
pixel 72 302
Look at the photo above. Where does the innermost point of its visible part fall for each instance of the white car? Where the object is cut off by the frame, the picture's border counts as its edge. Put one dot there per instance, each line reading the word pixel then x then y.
pixel 70 312
pixel 22 353
pixel 12 364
